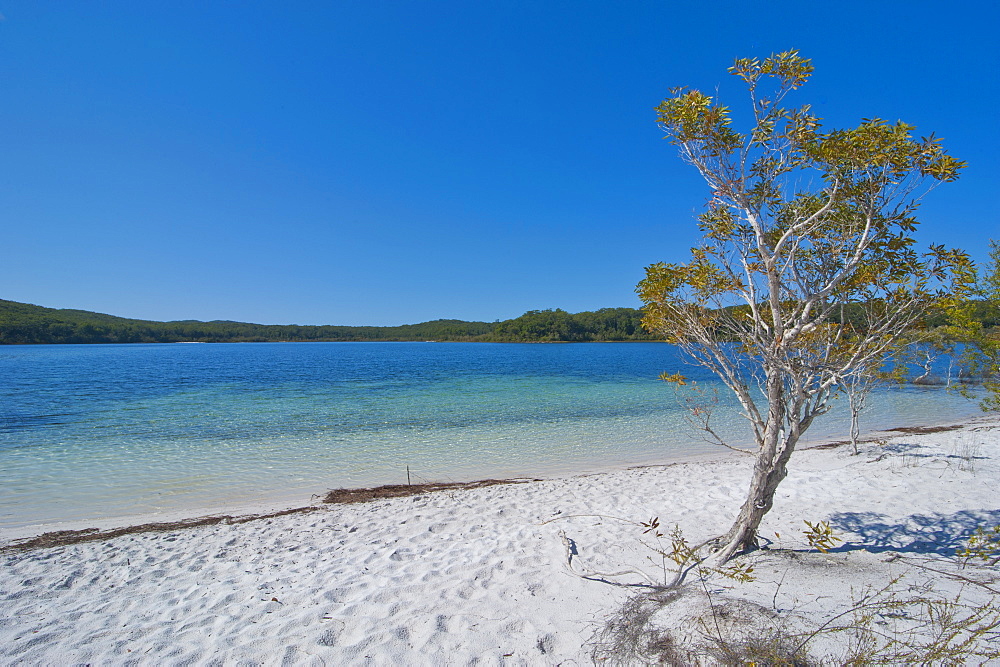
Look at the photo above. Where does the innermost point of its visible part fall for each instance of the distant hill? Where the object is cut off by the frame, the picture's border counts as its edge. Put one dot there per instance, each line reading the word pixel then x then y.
pixel 22 323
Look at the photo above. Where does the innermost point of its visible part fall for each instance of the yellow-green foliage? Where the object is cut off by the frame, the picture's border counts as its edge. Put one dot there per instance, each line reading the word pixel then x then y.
pixel 808 270
pixel 983 544
pixel 820 536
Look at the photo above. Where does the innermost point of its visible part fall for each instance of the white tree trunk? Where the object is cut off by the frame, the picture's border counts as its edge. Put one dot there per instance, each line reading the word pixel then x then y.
pixel 769 470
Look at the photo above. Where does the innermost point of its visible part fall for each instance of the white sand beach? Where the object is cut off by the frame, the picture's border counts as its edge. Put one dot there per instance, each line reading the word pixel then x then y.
pixel 480 576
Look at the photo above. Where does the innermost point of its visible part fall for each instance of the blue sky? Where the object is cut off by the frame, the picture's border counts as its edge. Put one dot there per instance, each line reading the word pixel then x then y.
pixel 374 162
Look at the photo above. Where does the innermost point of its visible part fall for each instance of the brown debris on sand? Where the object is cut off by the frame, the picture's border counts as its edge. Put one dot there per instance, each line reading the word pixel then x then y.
pixel 921 430
pixel 59 538
pixel 343 496
pixel 908 430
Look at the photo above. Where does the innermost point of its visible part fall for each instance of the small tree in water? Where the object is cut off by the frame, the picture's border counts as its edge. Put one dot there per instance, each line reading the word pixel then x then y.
pixel 807 272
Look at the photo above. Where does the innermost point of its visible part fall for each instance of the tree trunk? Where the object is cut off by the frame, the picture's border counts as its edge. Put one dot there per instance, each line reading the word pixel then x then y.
pixel 769 469
pixel 857 404
pixel 855 430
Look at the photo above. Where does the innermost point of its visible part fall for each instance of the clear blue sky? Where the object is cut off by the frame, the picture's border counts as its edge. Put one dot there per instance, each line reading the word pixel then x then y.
pixel 374 162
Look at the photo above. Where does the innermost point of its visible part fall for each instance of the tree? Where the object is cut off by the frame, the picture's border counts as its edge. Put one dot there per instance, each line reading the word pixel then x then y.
pixel 857 386
pixel 802 226
pixel 988 344
pixel 976 346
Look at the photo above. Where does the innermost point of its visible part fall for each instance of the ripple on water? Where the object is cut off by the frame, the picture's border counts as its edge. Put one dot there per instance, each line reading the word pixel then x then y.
pixel 112 430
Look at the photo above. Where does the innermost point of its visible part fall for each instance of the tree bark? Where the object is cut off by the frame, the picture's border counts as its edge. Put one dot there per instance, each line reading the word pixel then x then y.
pixel 769 470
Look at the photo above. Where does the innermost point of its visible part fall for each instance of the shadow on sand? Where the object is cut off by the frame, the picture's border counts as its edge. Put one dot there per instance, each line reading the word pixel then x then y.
pixel 937 533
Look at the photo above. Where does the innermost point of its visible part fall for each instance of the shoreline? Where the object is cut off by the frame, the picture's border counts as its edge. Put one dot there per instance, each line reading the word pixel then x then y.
pixel 508 574
pixel 168 440
pixel 63 532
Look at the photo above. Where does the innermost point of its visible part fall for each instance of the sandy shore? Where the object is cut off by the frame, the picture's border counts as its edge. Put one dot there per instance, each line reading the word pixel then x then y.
pixel 481 576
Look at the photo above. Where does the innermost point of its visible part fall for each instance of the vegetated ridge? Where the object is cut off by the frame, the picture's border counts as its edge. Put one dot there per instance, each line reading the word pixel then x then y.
pixel 22 323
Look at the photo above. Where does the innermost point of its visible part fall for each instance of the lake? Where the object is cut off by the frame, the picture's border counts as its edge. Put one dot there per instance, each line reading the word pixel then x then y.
pixel 100 431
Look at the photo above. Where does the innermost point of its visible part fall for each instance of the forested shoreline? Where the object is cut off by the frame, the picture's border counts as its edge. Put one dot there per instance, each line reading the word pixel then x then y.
pixel 26 324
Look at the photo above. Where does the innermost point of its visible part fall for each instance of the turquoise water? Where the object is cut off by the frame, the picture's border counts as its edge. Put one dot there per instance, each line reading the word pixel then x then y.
pixel 101 431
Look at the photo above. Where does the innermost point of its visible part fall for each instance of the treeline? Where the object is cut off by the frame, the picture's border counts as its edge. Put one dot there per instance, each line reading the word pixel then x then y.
pixel 606 324
pixel 983 312
pixel 22 323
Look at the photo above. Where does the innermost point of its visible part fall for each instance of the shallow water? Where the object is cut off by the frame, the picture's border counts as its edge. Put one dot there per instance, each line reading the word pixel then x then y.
pixel 101 431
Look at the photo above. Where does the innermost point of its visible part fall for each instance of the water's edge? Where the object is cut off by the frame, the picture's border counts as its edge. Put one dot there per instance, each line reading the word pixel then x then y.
pixel 280 505
pixel 93 434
